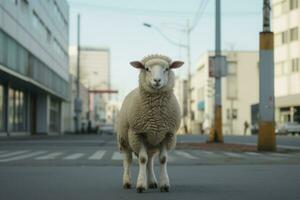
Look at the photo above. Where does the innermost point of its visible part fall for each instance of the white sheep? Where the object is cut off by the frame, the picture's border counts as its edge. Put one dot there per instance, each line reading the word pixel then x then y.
pixel 148 121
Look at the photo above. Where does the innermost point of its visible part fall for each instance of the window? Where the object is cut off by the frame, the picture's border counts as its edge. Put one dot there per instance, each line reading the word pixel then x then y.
pixel 293 4
pixel 294 34
pixel 11 53
pixel 284 37
pixel 23 61
pixel 277 39
pixel 232 68
pixel 231 113
pixel 54 115
pixel 295 65
pixel 16 114
pixel 40 26
pixel 3 48
pixel 1 108
pixel 285 6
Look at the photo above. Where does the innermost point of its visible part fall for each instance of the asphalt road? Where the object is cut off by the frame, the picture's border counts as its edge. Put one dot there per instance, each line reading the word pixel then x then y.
pixel 90 167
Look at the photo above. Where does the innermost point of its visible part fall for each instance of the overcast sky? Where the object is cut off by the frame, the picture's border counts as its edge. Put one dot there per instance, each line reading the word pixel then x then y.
pixel 117 24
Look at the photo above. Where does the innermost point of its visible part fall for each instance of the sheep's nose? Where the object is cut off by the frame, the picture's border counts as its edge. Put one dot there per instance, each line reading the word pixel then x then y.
pixel 157 81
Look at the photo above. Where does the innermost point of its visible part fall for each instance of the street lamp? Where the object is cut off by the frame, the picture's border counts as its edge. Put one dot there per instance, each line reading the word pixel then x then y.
pixel 187 31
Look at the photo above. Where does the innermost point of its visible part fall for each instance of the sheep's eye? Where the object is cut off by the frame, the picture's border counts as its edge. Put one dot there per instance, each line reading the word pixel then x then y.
pixel 147 69
pixel 167 69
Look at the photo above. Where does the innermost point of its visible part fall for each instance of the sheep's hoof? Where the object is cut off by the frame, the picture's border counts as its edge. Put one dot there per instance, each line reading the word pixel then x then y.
pixel 127 186
pixel 164 188
pixel 153 185
pixel 140 189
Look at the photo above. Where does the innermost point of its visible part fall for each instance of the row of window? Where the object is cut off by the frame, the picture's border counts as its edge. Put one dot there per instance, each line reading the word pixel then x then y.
pixel 282 68
pixel 287 36
pixel 285 6
pixel 17 58
pixel 42 29
pixel 45 33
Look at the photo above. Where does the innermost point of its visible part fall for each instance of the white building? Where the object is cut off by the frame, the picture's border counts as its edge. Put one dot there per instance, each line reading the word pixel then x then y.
pixel 239 93
pixel 180 91
pixel 94 75
pixel 34 72
pixel 286 24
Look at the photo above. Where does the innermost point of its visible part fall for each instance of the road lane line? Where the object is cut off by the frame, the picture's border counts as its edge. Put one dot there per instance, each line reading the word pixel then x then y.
pixel 234 155
pixel 23 156
pixel 12 153
pixel 117 156
pixel 2 152
pixel 98 155
pixel 74 156
pixel 49 156
pixel 207 152
pixel 253 154
pixel 185 155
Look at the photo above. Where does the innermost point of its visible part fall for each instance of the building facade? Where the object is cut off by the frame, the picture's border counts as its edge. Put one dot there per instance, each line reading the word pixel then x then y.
pixel 286 24
pixel 239 93
pixel 181 92
pixel 94 75
pixel 34 73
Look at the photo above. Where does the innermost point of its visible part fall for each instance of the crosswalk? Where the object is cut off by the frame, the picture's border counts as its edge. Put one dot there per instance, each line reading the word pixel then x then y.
pixel 113 155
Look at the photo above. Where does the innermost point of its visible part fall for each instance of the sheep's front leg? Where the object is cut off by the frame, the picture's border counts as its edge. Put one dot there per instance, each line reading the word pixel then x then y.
pixel 142 177
pixel 152 182
pixel 164 184
pixel 127 160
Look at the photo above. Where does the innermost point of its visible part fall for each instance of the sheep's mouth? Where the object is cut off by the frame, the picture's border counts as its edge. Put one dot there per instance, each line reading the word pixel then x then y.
pixel 156 86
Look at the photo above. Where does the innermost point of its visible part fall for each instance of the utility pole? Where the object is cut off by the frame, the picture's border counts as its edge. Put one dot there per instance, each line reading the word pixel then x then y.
pixel 78 103
pixel 216 130
pixel 266 136
pixel 189 96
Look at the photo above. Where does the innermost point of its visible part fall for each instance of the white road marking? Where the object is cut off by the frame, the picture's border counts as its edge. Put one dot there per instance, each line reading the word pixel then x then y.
pixel 185 155
pixel 117 156
pixel 2 152
pixel 234 155
pixel 207 152
pixel 279 155
pixel 98 155
pixel 23 156
pixel 12 153
pixel 49 156
pixel 74 156
pixel 253 154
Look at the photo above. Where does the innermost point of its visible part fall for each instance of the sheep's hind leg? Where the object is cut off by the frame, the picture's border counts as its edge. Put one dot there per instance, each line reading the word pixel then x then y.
pixel 164 184
pixel 152 182
pixel 127 160
pixel 142 177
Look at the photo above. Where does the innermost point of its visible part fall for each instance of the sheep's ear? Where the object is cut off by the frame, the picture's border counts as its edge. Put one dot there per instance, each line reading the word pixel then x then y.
pixel 137 64
pixel 176 64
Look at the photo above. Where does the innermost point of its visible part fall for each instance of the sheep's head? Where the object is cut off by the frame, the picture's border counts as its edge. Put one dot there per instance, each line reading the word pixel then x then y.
pixel 156 72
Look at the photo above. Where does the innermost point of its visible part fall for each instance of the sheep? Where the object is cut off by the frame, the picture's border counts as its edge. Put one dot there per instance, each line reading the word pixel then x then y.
pixel 148 121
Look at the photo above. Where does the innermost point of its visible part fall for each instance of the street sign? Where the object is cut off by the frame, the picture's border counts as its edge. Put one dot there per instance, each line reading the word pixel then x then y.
pixel 217 66
pixel 78 105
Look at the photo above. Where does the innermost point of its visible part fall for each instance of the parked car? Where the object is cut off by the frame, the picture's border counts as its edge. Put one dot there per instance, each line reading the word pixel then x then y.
pixel 106 128
pixel 288 127
pixel 254 129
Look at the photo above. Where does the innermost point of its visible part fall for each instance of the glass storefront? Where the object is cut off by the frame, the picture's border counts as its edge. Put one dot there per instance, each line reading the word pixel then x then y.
pixel 16 110
pixel 54 115
pixel 1 108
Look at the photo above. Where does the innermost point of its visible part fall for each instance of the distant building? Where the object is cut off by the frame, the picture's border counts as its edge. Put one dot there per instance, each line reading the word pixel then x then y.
pixel 34 72
pixel 180 91
pixel 286 24
pixel 68 107
pixel 239 93
pixel 94 75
